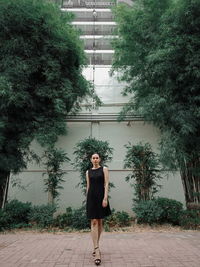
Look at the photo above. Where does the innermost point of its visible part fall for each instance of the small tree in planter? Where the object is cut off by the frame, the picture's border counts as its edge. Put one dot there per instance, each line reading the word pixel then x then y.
pixel 53 160
pixel 83 152
pixel 144 163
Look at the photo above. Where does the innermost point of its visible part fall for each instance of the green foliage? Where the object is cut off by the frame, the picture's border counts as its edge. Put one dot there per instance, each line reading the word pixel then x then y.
pixel 157 55
pixel 147 211
pixel 79 218
pixel 4 220
pixel 73 218
pixel 160 210
pixel 144 163
pixel 41 81
pixel 83 152
pixel 18 215
pixel 15 215
pixel 117 219
pixel 42 215
pixel 17 211
pixel 190 219
pixel 65 219
pixel 54 158
pixel 172 210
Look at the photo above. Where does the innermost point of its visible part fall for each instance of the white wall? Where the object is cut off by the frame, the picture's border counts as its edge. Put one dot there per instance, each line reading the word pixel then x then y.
pixel 117 134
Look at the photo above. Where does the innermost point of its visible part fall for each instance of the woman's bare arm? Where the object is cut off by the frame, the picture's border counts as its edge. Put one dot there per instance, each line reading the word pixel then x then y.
pixel 87 182
pixel 106 185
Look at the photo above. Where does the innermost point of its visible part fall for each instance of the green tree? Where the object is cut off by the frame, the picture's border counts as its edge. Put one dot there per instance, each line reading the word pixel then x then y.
pixel 41 60
pixel 53 159
pixel 158 54
pixel 144 164
pixel 83 152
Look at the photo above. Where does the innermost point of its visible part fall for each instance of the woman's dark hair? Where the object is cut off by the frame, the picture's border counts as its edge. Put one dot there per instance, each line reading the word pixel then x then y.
pixel 94 154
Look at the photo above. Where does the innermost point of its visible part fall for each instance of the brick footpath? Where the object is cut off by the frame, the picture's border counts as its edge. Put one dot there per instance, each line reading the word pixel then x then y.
pixel 143 249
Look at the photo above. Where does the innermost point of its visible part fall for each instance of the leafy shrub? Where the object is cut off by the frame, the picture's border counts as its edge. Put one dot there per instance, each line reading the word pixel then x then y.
pixel 17 212
pixel 190 219
pixel 4 220
pixel 73 218
pixel 148 212
pixel 145 170
pixel 172 210
pixel 42 215
pixel 76 218
pixel 160 210
pixel 79 218
pixel 123 218
pixel 119 218
pixel 54 158
pixel 65 219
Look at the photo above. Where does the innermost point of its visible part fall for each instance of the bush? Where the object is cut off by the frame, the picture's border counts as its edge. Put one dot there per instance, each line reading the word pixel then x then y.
pixel 123 218
pixel 79 218
pixel 42 215
pixel 190 219
pixel 17 212
pixel 18 215
pixel 73 218
pixel 148 212
pixel 119 219
pixel 145 170
pixel 4 220
pixel 76 218
pixel 172 210
pixel 65 219
pixel 160 210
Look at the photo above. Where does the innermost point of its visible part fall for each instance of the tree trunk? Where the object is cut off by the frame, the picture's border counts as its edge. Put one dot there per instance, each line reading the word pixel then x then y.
pixel 190 175
pixel 50 198
pixel 4 183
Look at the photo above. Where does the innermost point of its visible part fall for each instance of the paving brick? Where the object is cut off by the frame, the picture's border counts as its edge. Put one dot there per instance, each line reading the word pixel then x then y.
pixel 146 249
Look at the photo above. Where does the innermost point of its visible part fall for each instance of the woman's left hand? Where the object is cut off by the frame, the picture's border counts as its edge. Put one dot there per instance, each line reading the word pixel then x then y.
pixel 104 203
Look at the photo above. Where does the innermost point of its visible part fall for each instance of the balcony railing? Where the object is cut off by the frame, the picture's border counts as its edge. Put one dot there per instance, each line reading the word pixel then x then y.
pixel 95 61
pixel 96 32
pixel 98 47
pixel 91 19
pixel 98 60
pixel 84 3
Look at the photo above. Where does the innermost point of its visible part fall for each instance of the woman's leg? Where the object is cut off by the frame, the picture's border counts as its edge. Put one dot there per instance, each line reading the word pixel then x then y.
pixel 96 229
pixel 94 232
pixel 100 228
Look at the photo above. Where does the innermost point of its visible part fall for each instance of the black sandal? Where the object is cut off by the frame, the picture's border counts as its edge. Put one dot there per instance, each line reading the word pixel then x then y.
pixel 98 260
pixel 94 252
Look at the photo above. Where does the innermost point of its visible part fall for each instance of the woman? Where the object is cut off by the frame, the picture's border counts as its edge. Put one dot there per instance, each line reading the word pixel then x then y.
pixel 97 201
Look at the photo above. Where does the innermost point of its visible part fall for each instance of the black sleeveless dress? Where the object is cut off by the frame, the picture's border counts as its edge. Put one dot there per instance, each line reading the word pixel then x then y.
pixel 95 195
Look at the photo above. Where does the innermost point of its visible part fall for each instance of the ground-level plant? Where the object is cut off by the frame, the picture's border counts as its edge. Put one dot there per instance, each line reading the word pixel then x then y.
pixel 159 210
pixel 54 158
pixel 83 152
pixel 144 165
pixel 117 219
pixel 73 219
pixel 20 215
pixel 17 214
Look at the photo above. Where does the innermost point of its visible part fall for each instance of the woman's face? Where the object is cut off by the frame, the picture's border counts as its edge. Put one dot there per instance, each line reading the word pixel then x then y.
pixel 95 159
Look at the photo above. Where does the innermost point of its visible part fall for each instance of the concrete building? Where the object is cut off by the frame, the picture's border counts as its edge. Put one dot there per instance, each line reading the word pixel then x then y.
pixel 95 20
